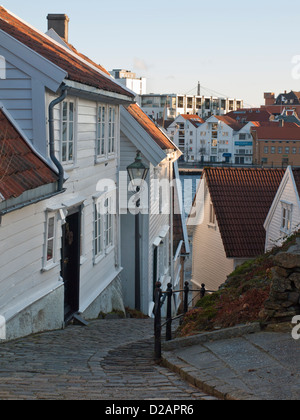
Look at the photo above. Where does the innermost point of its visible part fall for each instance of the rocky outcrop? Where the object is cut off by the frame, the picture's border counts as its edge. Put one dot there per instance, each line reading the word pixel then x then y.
pixel 284 301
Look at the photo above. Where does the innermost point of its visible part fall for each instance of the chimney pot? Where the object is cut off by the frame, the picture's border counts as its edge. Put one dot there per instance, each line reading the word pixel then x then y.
pixel 60 24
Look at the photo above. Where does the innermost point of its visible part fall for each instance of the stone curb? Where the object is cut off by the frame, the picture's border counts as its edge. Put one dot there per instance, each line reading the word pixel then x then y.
pixel 223 334
pixel 201 379
pixel 206 383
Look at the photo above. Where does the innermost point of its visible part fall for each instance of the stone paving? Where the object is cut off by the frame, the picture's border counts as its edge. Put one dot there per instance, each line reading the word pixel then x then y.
pixel 108 360
pixel 259 366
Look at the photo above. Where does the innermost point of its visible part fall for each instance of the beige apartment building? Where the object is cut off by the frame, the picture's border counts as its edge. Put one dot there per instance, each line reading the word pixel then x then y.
pixel 276 144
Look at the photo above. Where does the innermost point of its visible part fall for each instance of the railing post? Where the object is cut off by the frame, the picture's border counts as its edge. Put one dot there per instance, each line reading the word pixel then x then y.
pixel 169 313
pixel 186 297
pixel 157 321
pixel 202 291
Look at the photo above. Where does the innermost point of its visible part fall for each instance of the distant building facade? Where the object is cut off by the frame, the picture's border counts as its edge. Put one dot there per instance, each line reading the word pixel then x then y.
pixel 129 79
pixel 184 133
pixel 276 105
pixel 166 106
pixel 276 144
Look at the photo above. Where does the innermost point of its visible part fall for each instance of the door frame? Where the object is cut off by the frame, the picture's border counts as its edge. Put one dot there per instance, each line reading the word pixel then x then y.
pixel 71 296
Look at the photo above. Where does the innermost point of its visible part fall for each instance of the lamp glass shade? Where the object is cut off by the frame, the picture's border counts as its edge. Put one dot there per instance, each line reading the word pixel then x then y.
pixel 137 171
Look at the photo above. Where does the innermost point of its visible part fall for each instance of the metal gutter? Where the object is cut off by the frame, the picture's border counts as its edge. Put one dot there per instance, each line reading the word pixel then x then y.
pixel 51 136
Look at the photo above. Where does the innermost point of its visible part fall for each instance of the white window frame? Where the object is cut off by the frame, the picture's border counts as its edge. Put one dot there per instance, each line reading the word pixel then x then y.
pixel 67 161
pixel 98 233
pixel 163 256
pixel 107 132
pixel 286 217
pixel 212 215
pixel 48 264
pixel 104 226
pixel 101 138
pixel 112 130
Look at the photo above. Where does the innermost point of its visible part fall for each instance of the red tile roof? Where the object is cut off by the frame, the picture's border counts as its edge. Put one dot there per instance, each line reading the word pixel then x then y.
pixel 250 114
pixel 78 70
pixel 193 119
pixel 242 199
pixel 232 123
pixel 149 126
pixel 273 131
pixel 20 168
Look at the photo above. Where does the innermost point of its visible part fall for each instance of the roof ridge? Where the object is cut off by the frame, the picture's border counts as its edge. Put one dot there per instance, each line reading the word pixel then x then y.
pixel 64 57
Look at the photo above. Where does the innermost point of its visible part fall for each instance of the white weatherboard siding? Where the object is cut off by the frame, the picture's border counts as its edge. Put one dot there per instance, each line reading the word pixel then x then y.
pixel 22 283
pixel 32 294
pixel 287 194
pixel 152 225
pixel 22 92
pixel 210 264
pixel 84 176
pixel 16 96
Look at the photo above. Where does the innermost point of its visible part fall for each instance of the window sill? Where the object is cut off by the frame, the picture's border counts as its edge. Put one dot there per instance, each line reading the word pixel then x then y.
pixel 98 259
pixel 285 232
pixel 101 257
pixel 212 226
pixel 50 267
pixel 105 159
pixel 70 168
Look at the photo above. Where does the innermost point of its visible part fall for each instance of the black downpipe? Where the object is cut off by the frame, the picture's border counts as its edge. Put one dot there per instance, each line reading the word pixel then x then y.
pixel 51 137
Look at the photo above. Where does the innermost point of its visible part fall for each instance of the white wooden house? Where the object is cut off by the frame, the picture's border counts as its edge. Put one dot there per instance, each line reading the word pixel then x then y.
pixel 284 215
pixel 59 254
pixel 185 134
pixel 231 207
pixel 159 260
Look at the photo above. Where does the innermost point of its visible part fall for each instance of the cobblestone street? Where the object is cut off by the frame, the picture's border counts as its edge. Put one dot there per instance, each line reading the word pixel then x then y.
pixel 110 360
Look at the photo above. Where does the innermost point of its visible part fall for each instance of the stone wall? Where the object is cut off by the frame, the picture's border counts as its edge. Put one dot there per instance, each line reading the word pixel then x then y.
pixel 284 301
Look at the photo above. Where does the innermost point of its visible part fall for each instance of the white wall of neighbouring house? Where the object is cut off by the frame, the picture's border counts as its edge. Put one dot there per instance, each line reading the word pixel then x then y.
pixel 210 263
pixel 287 195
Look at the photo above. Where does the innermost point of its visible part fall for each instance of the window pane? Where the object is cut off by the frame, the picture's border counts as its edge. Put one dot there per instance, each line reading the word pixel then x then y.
pixel 70 151
pixel 71 131
pixel 51 228
pixel 64 152
pixel 50 250
pixel 65 111
pixel 65 131
pixel 71 113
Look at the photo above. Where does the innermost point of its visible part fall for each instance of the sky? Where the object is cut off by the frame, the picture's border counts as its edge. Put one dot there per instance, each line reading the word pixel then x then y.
pixel 234 48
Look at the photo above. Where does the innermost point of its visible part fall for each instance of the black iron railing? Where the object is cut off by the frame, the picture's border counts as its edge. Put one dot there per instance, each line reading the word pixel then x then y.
pixel 160 298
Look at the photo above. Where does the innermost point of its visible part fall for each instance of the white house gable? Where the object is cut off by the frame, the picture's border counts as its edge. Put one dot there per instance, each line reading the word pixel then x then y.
pixel 284 216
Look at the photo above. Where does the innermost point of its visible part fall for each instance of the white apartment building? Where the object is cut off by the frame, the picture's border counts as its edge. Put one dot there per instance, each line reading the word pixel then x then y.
pixel 184 132
pixel 224 140
pixel 169 106
pixel 129 79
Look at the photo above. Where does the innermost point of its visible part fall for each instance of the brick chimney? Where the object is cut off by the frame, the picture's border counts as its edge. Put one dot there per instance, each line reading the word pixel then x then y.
pixel 60 24
pixel 269 98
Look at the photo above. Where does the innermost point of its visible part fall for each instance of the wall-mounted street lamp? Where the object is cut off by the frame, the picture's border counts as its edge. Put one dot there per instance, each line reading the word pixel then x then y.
pixel 137 172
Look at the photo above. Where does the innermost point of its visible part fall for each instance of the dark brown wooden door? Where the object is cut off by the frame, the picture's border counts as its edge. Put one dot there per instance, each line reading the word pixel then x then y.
pixel 70 264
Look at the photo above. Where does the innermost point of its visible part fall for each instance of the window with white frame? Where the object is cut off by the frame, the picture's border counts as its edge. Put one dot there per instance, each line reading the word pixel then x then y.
pixel 108 224
pixel 68 132
pixel 103 226
pixel 212 214
pixel 101 125
pixel 98 231
pixel 106 133
pixel 50 241
pixel 286 217
pixel 164 256
pixel 111 129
